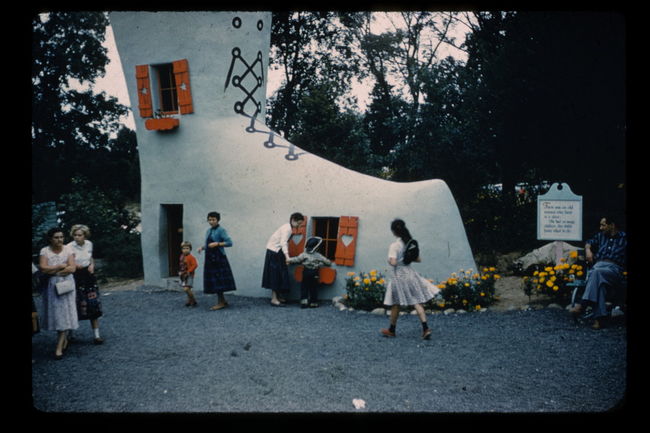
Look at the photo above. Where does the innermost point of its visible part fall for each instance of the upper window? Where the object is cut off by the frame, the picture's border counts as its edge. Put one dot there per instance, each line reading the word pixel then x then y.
pixel 164 88
pixel 167 97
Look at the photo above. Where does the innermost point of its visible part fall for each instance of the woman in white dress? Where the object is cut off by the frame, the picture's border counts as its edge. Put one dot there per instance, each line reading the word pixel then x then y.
pixel 59 311
pixel 405 286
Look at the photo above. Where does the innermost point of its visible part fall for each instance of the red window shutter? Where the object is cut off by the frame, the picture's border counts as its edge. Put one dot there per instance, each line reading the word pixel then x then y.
pixel 296 248
pixel 144 90
pixel 347 240
pixel 182 76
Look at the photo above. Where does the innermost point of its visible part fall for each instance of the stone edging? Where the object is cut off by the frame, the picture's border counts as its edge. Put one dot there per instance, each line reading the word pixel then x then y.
pixel 336 302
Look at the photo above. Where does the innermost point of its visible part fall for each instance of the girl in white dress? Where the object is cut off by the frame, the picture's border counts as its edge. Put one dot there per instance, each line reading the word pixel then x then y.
pixel 59 311
pixel 405 286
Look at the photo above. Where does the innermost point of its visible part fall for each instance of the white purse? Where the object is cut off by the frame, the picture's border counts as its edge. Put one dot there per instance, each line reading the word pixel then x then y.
pixel 65 286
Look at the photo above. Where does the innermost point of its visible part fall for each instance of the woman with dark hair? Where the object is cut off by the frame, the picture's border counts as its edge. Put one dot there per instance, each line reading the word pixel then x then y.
pixel 217 275
pixel 405 286
pixel 276 272
pixel 59 311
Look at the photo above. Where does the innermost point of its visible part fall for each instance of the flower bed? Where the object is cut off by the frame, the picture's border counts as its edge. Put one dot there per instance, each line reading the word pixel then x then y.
pixel 466 290
pixel 552 280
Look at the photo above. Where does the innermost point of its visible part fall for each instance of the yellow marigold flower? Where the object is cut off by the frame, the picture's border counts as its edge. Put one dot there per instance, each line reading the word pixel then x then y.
pixel 382 281
pixel 482 294
pixel 492 269
pixel 541 280
pixel 497 276
pixel 465 301
pixel 478 307
pixel 441 304
pixel 579 273
pixel 549 283
pixel 466 284
pixel 486 270
pixel 366 281
pixel 373 278
pixel 556 288
pixel 573 254
pixel 476 276
pixel 357 284
pixel 350 274
pixel 535 273
pixel 562 260
pixel 373 272
pixel 357 278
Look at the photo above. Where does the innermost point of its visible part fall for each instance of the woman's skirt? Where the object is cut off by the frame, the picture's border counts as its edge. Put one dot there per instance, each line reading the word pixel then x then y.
pixel 217 275
pixel 407 287
pixel 276 272
pixel 89 306
pixel 59 311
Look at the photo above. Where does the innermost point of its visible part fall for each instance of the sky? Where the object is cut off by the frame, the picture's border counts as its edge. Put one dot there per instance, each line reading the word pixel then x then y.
pixel 113 82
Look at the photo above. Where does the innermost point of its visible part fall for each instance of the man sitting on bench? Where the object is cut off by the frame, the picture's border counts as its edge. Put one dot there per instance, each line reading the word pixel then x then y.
pixel 607 251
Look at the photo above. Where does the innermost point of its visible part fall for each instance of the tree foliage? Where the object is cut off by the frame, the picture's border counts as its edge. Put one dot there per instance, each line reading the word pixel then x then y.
pixel 540 97
pixel 69 124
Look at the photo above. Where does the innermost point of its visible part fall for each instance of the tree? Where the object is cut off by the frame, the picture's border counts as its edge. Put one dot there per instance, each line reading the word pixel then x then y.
pixel 67 123
pixel 303 46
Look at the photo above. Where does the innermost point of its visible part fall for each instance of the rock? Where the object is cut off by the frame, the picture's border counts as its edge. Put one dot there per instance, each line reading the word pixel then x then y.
pixel 461 311
pixel 337 299
pixel 449 311
pixel 556 306
pixel 378 311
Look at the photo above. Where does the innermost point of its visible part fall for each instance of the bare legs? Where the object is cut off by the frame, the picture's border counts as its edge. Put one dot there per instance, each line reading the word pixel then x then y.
pixel 394 315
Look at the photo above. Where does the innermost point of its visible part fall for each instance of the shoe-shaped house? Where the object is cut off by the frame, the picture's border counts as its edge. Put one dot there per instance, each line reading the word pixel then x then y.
pixel 197 83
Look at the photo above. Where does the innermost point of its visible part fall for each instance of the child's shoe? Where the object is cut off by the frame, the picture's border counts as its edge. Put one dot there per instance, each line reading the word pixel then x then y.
pixel 304 303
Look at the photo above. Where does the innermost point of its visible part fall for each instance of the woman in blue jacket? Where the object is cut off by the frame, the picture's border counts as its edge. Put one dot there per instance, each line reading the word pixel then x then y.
pixel 217 275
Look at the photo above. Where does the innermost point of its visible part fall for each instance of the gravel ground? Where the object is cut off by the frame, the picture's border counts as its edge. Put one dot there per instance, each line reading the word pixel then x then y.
pixel 160 356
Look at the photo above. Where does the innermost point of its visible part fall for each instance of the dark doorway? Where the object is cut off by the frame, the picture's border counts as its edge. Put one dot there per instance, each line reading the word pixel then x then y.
pixel 172 217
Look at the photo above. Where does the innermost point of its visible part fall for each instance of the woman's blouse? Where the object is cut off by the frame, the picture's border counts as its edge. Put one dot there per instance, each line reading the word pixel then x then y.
pixel 396 251
pixel 82 253
pixel 54 259
pixel 218 234
pixel 279 240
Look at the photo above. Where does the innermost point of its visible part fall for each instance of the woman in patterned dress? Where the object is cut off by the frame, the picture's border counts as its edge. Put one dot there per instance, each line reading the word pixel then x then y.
pixel 405 286
pixel 217 275
pixel 59 311
pixel 88 304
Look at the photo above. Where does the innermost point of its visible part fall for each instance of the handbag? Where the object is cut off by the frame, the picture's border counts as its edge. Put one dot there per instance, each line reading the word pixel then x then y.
pixel 65 286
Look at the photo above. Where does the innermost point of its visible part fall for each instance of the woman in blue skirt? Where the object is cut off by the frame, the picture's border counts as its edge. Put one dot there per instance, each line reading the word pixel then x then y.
pixel 217 275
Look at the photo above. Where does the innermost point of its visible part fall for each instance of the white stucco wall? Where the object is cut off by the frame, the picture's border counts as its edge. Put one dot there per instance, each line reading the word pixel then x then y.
pixel 212 163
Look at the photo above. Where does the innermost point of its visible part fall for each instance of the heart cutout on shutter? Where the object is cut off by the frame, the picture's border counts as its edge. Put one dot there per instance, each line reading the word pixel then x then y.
pixel 296 239
pixel 347 240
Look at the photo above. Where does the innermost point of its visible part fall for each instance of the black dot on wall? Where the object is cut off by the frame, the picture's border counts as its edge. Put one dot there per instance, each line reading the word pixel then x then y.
pixel 236 22
pixel 260 25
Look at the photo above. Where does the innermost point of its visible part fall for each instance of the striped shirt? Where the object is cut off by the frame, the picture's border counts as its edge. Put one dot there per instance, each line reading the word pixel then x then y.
pixel 610 248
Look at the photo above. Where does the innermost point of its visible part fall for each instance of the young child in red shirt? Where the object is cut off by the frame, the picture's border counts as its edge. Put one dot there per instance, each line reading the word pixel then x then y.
pixel 188 265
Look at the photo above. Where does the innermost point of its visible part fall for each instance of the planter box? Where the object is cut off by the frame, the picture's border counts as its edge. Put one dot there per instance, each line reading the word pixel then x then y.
pixel 162 124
